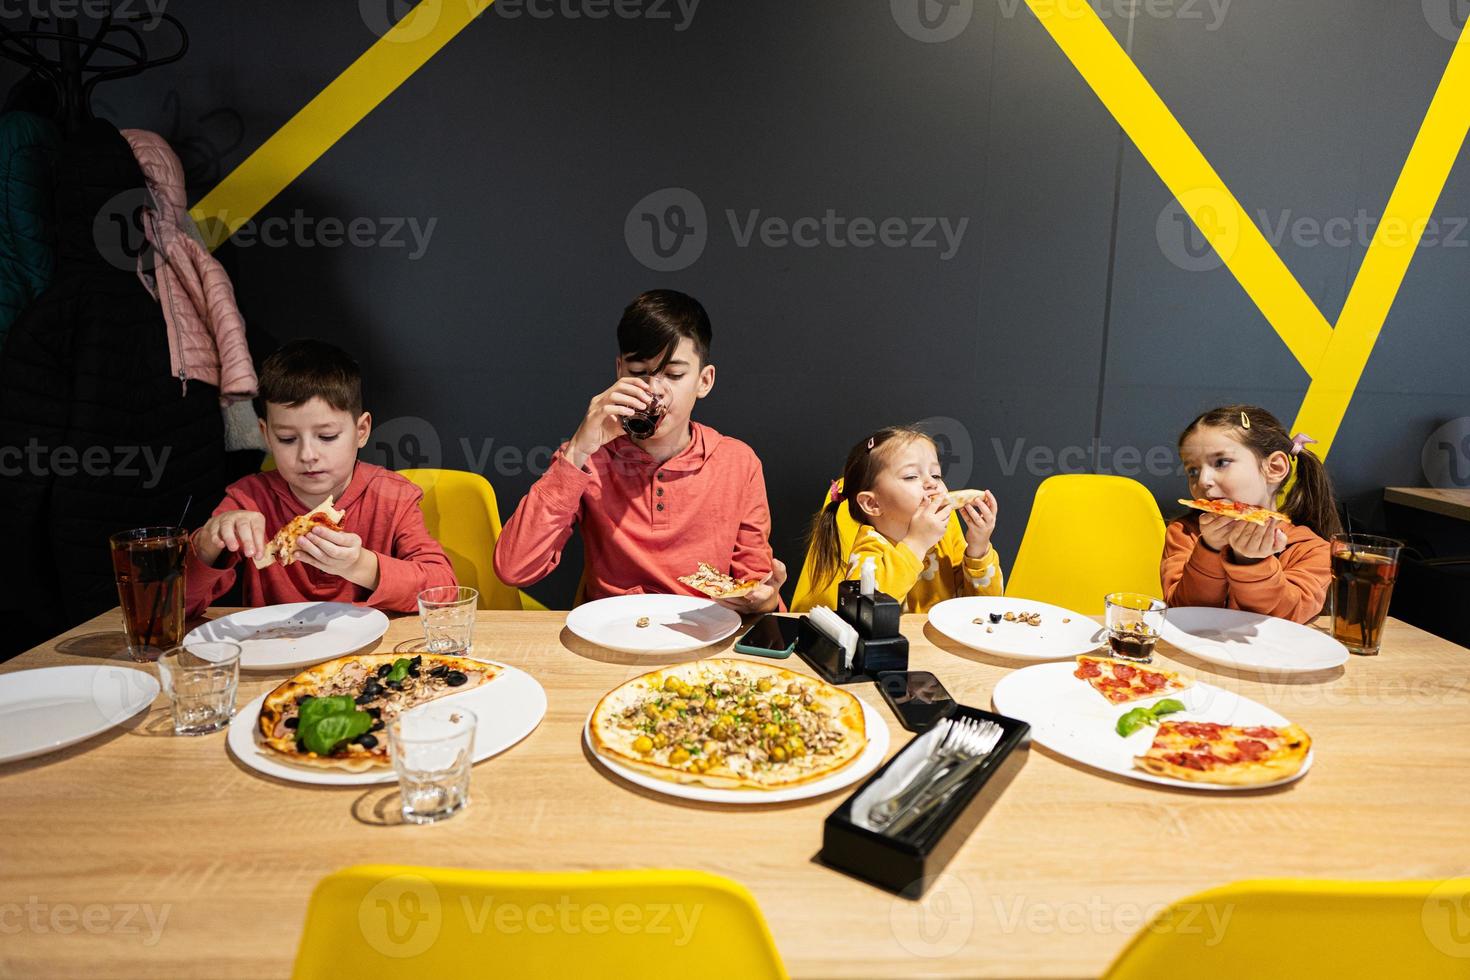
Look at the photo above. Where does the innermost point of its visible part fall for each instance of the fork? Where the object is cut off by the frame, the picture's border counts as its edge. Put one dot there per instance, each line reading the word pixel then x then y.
pixel 937 793
pixel 962 739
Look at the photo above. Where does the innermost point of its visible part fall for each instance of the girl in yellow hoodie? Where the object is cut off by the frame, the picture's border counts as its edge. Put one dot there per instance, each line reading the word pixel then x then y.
pixel 891 487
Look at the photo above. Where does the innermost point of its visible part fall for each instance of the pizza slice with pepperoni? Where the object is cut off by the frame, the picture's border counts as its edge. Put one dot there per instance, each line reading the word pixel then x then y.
pixel 1121 682
pixel 1236 511
pixel 1229 755
pixel 282 547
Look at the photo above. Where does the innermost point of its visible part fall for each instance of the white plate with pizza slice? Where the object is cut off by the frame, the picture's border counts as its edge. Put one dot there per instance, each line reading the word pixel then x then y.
pixel 1251 641
pixel 294 634
pixel 875 726
pixel 663 624
pixel 1035 631
pixel 507 709
pixel 1068 716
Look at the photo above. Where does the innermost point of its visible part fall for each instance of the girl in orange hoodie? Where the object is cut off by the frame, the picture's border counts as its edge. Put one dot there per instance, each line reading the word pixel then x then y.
pixel 1242 453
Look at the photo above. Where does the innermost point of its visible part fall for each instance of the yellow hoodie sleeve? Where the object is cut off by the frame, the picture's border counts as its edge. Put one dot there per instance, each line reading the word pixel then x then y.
pixel 973 576
pixel 898 568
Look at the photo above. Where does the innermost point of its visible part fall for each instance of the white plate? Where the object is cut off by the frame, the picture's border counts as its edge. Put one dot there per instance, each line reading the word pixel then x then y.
pixel 50 708
pixel 1069 717
pixel 295 634
pixel 506 710
pixel 1251 641
pixel 1052 640
pixel 870 759
pixel 676 623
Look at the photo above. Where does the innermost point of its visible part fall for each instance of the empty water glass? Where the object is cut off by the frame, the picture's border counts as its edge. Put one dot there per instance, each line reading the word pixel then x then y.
pixel 448 615
pixel 200 680
pixel 433 748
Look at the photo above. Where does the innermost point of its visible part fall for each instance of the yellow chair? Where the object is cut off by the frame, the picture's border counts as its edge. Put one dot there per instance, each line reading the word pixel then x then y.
pixel 810 593
pixel 1089 535
pixel 389 921
pixel 461 513
pixel 1307 929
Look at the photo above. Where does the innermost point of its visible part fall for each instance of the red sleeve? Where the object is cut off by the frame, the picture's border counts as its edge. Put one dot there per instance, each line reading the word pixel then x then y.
pixel 752 557
pixel 1291 586
pixel 417 562
pixel 205 583
pixel 531 542
pixel 1192 573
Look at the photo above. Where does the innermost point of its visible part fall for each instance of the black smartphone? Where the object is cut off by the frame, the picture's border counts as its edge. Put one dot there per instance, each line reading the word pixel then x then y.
pixel 916 697
pixel 771 636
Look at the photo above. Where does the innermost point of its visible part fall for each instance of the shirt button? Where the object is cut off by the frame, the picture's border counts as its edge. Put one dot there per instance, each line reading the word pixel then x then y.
pixel 660 491
pixel 660 506
pixel 661 474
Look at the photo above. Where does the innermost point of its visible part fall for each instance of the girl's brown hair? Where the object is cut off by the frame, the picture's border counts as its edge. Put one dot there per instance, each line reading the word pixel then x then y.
pixel 864 463
pixel 1309 502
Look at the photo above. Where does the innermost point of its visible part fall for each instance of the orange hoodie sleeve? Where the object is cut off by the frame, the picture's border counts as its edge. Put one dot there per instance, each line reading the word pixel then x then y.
pixel 1192 573
pixel 1291 585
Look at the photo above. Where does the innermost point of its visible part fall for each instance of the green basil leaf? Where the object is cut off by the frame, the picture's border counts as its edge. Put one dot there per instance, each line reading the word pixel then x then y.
pixel 317 708
pixel 1168 706
pixel 399 671
pixel 326 735
pixel 1133 720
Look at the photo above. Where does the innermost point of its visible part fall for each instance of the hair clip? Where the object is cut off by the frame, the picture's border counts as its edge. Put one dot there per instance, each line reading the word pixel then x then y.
pixel 871 439
pixel 1300 440
pixel 1245 421
pixel 834 493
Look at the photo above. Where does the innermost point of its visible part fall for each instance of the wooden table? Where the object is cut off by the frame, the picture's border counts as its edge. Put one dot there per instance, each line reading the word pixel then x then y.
pixel 1449 503
pixel 141 854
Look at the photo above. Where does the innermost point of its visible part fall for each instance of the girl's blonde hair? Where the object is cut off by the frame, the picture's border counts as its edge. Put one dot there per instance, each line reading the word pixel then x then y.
pixel 1309 502
pixel 865 463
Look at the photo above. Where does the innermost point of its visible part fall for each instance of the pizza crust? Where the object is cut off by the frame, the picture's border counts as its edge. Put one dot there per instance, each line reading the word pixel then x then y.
pixel 1280 763
pixel 839 708
pixel 1237 512
pixel 962 498
pixel 283 545
pixel 718 585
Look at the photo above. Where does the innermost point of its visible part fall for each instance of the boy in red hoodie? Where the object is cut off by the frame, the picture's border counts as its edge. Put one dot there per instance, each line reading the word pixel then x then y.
pixel 652 508
pixel 314 425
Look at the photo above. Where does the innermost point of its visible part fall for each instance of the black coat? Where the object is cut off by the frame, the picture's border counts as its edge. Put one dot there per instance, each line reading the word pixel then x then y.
pixel 95 435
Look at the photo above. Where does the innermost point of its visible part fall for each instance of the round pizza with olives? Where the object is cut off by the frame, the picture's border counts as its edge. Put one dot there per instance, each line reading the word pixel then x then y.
pixel 732 724
pixel 333 715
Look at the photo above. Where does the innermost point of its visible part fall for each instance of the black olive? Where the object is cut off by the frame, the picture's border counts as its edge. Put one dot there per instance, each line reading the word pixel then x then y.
pixel 366 741
pixel 375 712
pixel 303 699
pixel 455 678
pixel 439 671
pixel 292 722
pixel 377 725
pixel 995 617
pixel 364 697
pixel 413 666
pixel 300 745
pixel 384 670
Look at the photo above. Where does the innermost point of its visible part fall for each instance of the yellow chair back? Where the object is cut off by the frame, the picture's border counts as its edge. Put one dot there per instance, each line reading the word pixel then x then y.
pixel 1089 535
pixel 461 513
pixel 1299 928
pixel 389 922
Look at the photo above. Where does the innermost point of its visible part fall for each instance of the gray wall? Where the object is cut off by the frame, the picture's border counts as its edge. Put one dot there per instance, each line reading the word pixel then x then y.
pixel 1064 318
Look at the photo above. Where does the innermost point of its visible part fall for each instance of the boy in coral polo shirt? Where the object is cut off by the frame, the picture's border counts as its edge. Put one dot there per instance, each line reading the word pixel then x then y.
pixel 651 509
pixel 314 425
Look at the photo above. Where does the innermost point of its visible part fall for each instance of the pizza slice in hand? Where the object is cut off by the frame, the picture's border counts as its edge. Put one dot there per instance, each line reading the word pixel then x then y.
pixel 1121 682
pixel 1236 511
pixel 718 585
pixel 282 547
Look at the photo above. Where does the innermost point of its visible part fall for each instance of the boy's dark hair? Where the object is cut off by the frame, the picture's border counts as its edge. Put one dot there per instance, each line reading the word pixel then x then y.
pixel 307 369
pixel 655 321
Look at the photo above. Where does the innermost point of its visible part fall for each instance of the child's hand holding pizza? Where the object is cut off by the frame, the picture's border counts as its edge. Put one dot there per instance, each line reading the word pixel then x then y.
pixel 339 553
pixel 1216 530
pixel 927 526
pixel 233 530
pixel 1253 542
pixel 979 515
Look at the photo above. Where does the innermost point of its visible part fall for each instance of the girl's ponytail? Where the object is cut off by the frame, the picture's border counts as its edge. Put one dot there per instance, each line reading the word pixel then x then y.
pixel 824 544
pixel 1310 502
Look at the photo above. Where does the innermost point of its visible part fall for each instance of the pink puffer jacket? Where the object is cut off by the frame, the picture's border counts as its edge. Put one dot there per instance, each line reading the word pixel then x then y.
pixel 206 333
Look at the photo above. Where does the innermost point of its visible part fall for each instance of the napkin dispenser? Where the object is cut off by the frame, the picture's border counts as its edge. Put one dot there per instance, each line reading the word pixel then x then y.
pixel 873 655
pixel 907 865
